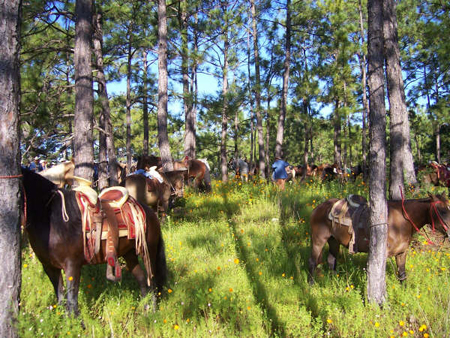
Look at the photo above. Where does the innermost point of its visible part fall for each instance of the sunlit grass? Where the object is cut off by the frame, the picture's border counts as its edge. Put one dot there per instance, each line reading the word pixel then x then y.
pixel 237 268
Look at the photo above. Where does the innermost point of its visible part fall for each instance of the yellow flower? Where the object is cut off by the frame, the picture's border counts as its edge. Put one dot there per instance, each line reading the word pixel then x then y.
pixel 70 278
pixel 329 321
pixel 218 268
pixel 260 273
pixel 405 334
pixel 231 290
pixel 210 290
pixel 236 260
pixel 401 323
pixel 377 324
pixel 170 291
pixel 426 335
pixel 25 265
pixel 283 275
pixel 176 327
pixel 422 328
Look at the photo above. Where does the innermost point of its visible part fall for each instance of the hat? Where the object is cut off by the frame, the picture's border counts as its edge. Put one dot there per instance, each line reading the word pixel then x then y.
pixel 36 158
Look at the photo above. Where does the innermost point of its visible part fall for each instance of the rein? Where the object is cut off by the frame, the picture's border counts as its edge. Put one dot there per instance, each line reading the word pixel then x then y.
pixel 432 206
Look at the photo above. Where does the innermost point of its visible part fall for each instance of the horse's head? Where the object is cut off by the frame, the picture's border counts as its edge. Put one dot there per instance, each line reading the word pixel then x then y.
pixel 440 206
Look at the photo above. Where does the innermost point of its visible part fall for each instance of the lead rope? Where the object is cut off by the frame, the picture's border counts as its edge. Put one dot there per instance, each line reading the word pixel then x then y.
pixel 63 207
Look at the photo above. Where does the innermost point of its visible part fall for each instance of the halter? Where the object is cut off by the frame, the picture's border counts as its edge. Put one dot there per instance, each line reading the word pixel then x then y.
pixel 432 206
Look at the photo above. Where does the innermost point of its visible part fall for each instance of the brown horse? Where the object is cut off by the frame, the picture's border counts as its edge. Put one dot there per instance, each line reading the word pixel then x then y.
pixel 54 226
pixel 404 219
pixel 197 170
pixel 147 161
pixel 159 195
pixel 60 174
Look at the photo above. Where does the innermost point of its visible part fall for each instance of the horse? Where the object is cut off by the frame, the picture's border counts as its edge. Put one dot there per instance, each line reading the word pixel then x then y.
pixel 147 161
pixel 197 170
pixel 404 218
pixel 55 226
pixel 241 168
pixel 158 191
pixel 60 174
pixel 435 173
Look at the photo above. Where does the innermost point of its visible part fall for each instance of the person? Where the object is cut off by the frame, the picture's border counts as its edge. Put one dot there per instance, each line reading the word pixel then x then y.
pixel 35 165
pixel 279 174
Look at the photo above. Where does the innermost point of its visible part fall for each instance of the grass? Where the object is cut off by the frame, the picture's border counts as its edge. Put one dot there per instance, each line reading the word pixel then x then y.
pixel 237 268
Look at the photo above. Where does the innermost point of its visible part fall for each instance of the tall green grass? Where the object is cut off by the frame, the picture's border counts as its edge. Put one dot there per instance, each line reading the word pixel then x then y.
pixel 237 268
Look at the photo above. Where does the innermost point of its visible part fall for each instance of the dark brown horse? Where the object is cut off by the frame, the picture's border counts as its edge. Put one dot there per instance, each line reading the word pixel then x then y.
pixel 157 193
pixel 404 219
pixel 147 161
pixel 54 227
pixel 197 170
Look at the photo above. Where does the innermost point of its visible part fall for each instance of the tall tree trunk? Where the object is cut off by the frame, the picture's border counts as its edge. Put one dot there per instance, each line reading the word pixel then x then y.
pixel 128 99
pixel 401 159
pixel 365 112
pixel 287 64
pixel 189 129
pixel 163 78
pixel 337 133
pixel 145 104
pixel 10 276
pixel 106 140
pixel 84 96
pixel 376 265
pixel 259 124
pixel 252 115
pixel 223 137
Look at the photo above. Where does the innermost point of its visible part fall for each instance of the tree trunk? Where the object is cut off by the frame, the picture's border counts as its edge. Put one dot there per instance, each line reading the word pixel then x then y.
pixel 84 96
pixel 401 159
pixel 259 124
pixel 287 63
pixel 365 113
pixel 252 115
pixel 145 104
pixel 128 99
pixel 337 134
pixel 223 137
pixel 189 129
pixel 106 139
pixel 163 138
pixel 376 265
pixel 10 276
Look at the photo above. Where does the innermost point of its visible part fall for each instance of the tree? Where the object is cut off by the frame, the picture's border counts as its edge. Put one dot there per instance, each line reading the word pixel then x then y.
pixel 287 64
pixel 10 278
pixel 163 138
pixel 107 150
pixel 401 159
pixel 84 96
pixel 257 92
pixel 376 265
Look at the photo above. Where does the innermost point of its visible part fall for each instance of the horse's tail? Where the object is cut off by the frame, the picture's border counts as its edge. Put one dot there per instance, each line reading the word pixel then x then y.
pixel 160 273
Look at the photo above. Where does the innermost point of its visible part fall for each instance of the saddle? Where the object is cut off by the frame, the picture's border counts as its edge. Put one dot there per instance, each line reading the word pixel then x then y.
pixel 109 216
pixel 352 212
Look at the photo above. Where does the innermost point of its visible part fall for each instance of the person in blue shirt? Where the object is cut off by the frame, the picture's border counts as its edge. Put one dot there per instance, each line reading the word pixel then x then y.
pixel 279 174
pixel 35 165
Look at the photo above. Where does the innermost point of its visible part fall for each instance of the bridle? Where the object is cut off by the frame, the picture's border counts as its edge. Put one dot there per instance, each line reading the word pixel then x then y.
pixel 432 206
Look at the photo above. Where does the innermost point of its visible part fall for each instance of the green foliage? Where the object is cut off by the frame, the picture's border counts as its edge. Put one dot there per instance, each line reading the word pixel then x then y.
pixel 237 268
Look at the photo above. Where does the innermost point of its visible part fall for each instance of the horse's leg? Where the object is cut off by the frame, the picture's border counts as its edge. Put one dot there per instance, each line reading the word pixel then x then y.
pixel 73 274
pixel 55 277
pixel 317 243
pixel 333 253
pixel 133 266
pixel 400 259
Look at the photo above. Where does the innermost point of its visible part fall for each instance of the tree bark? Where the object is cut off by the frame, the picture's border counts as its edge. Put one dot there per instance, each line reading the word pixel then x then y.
pixel 376 265
pixel 287 63
pixel 107 151
pixel 84 96
pixel 401 159
pixel 128 97
pixel 257 89
pixel 365 113
pixel 10 276
pixel 163 138
pixel 145 104
pixel 223 138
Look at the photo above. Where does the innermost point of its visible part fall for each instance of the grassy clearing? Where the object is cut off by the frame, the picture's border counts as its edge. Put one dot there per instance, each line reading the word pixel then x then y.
pixel 237 268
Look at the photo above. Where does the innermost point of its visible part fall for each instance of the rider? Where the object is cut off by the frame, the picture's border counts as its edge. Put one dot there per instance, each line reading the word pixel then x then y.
pixel 279 174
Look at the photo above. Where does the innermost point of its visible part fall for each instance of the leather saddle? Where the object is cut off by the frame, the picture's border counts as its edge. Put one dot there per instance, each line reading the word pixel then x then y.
pixel 352 213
